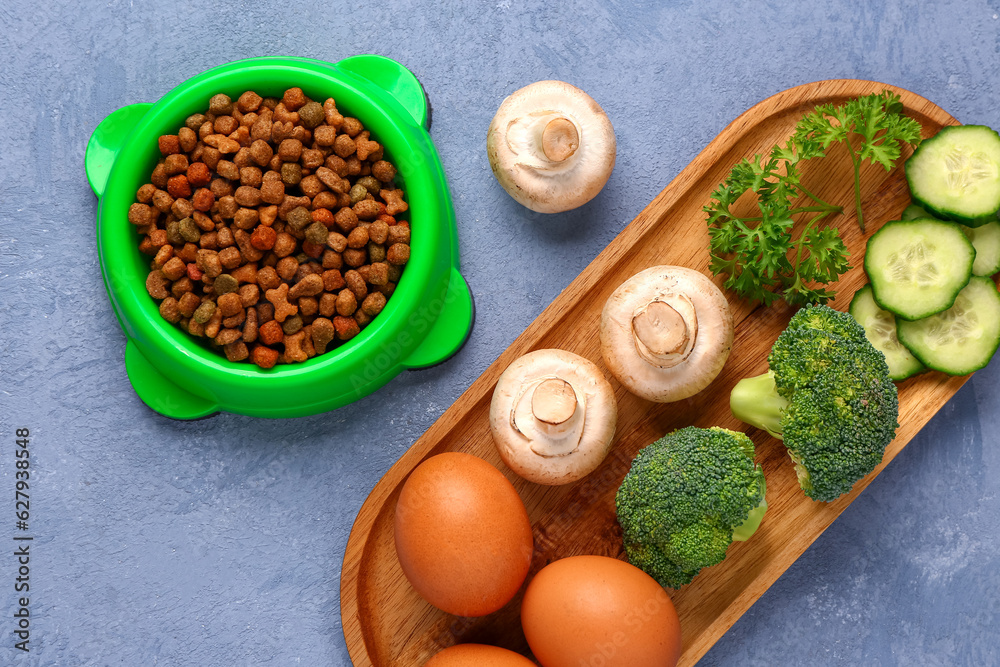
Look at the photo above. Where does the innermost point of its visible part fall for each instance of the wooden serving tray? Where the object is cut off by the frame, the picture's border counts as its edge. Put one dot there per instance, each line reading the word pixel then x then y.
pixel 386 623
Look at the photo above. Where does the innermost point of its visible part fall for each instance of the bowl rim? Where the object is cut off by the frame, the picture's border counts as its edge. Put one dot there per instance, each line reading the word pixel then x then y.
pixel 177 353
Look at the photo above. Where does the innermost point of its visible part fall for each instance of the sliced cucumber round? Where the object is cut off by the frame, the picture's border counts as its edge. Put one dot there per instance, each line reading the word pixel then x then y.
pixel 986 240
pixel 918 267
pixel 913 212
pixel 956 174
pixel 880 328
pixel 963 338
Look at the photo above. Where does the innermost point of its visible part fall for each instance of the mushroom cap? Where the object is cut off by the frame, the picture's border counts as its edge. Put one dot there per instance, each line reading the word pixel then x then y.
pixel 699 362
pixel 593 420
pixel 544 162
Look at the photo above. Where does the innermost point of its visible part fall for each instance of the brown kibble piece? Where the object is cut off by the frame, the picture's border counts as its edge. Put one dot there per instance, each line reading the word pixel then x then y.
pixel 203 200
pixel 290 150
pixel 287 268
pixel 333 117
pixel 263 238
pixel 178 186
pixel 399 233
pixel 169 144
pixel 333 280
pixel 247 273
pixel 267 278
pixel 378 273
pixel 235 351
pixel 204 312
pixel 373 304
pixel 327 304
pixel 347 303
pixel 324 135
pixel 317 234
pixel 163 255
pixel 208 262
pixel 310 285
pixel 362 318
pixel 272 192
pixel 230 257
pixel 343 146
pixel 364 147
pixel 229 304
pixel 156 285
pixel 249 294
pixel 249 101
pixel 354 258
pixel 398 253
pixel 294 99
pixel 299 218
pixel 247 196
pixel 312 158
pixel 270 332
pixel 264 357
pixel 225 284
pixel 351 126
pixel 250 326
pixel 322 333
pixel 393 201
pixel 383 171
pixel 175 164
pixel 284 244
pixel 279 297
pixel 227 336
pixel 188 303
pixel 174 269
pixel 366 209
pixel 358 238
pixel 346 327
pixel 356 284
pixel 346 220
pixel 220 104
pixel 170 310
pixel 293 347
pixel 292 324
pixel 141 214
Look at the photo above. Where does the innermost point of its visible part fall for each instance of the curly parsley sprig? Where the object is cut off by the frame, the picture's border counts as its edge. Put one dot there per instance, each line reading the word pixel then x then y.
pixel 760 255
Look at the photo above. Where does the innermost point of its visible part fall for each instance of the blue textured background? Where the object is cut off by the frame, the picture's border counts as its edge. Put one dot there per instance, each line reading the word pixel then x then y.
pixel 219 542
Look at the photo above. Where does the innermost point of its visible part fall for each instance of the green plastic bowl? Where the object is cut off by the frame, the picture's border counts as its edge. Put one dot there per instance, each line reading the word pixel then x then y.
pixel 427 319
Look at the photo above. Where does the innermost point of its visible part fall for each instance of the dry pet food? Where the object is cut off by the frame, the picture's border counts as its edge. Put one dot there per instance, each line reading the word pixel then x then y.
pixel 274 227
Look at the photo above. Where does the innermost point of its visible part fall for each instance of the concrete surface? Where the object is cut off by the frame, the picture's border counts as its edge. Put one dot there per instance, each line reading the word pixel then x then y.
pixel 219 542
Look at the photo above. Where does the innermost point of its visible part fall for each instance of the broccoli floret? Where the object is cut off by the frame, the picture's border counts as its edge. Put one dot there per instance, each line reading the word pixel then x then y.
pixel 828 396
pixel 686 498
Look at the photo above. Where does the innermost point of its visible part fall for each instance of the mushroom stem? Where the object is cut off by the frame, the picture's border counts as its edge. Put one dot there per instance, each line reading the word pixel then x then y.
pixel 665 332
pixel 553 403
pixel 560 139
pixel 549 413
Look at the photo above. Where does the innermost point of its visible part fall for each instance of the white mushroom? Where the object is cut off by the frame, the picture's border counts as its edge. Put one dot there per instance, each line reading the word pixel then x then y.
pixel 551 146
pixel 553 416
pixel 666 333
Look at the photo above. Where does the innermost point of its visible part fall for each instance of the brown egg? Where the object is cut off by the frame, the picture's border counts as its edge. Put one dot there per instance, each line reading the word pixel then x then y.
pixel 477 655
pixel 594 610
pixel 462 534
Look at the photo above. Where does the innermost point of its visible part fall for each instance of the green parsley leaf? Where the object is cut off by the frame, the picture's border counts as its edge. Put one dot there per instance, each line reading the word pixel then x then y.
pixel 761 258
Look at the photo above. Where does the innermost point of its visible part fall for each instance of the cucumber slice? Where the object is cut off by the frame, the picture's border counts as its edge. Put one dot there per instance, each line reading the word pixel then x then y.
pixel 963 338
pixel 880 328
pixel 913 212
pixel 918 267
pixel 986 240
pixel 956 174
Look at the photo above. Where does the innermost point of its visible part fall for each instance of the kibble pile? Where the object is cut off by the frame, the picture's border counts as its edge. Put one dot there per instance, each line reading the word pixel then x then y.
pixel 272 225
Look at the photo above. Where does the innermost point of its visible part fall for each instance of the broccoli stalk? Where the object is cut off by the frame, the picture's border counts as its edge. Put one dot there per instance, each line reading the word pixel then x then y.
pixel 756 401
